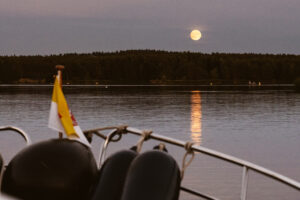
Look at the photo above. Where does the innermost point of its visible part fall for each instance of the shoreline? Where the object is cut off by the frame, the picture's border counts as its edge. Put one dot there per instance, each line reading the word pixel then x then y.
pixel 163 86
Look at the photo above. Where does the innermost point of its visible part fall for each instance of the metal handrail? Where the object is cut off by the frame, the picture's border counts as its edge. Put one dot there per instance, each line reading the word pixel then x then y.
pixel 23 134
pixel 231 159
pixel 225 157
pixel 1 169
pixel 18 130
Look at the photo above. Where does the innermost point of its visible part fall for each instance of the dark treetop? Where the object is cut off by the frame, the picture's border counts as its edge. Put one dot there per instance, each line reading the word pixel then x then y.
pixel 151 67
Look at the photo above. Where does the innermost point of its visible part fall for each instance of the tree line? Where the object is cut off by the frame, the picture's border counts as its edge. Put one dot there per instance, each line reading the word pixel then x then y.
pixel 151 67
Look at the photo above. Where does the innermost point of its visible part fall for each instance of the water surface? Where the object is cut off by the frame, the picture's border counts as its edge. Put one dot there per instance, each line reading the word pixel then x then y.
pixel 259 126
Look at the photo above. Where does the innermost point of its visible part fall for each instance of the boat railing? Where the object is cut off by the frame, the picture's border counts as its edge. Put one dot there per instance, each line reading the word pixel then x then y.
pixel 1 169
pixel 18 130
pixel 116 133
pixel 247 166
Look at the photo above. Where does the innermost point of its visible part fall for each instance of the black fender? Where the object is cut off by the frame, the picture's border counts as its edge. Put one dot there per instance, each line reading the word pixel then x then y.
pixel 54 169
pixel 112 175
pixel 153 175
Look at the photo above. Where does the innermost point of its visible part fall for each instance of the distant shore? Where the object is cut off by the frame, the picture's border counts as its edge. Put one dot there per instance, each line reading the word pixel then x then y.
pixel 150 67
pixel 290 87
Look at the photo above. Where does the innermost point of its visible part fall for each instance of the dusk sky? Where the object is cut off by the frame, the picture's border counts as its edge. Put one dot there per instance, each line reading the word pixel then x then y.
pixel 29 27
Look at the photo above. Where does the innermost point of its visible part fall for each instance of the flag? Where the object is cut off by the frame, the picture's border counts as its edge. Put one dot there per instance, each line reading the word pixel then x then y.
pixel 61 118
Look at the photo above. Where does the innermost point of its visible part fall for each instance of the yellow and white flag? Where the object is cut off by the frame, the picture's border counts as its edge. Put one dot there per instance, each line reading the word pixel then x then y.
pixel 61 119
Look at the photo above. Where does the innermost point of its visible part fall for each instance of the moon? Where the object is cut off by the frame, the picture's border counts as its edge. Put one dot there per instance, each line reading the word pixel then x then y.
pixel 196 35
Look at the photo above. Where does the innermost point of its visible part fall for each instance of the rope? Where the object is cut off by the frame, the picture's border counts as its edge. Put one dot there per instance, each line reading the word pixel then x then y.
pixel 161 146
pixel 106 128
pixel 113 136
pixel 189 150
pixel 188 147
pixel 145 136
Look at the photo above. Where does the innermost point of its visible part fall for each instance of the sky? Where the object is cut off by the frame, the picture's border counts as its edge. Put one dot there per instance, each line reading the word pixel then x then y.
pixel 31 27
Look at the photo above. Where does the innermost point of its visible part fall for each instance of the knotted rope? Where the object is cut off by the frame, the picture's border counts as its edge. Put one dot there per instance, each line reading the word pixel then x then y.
pixel 110 137
pixel 161 146
pixel 145 136
pixel 189 150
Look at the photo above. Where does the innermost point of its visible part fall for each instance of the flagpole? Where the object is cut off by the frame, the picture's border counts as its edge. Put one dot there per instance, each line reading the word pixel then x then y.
pixel 59 73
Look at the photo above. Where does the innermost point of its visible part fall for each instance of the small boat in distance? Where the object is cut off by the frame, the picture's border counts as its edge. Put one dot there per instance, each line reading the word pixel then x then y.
pixel 66 169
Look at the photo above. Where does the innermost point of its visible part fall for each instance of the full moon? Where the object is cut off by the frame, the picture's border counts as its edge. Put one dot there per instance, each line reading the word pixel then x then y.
pixel 195 35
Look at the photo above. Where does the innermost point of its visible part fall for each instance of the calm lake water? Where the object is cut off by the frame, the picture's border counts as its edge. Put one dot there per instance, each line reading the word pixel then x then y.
pixel 259 126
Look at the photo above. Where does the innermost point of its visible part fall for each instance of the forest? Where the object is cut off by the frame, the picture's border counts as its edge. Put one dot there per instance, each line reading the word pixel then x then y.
pixel 151 67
